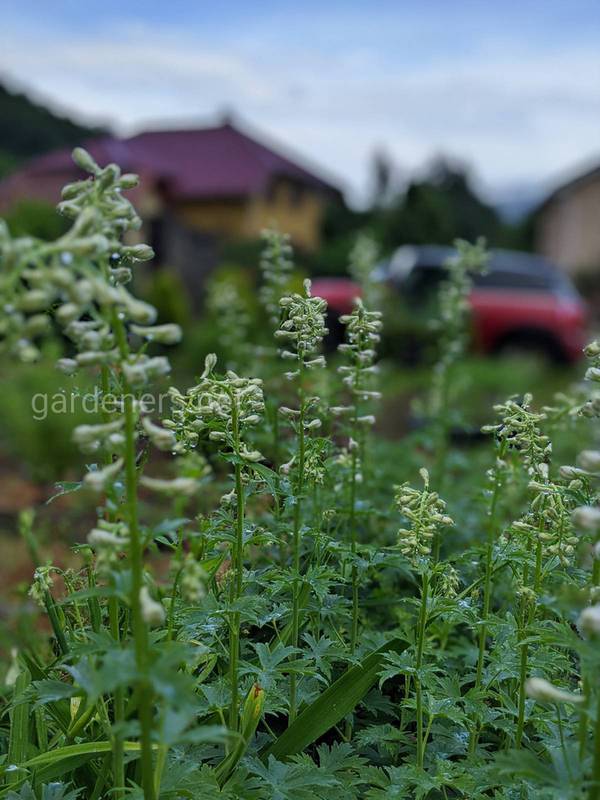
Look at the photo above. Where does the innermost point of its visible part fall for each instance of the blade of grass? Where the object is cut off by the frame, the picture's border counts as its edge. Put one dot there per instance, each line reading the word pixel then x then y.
pixel 54 763
pixel 18 744
pixel 333 704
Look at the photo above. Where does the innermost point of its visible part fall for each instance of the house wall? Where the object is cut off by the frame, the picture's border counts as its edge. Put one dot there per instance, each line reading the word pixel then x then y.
pixel 221 217
pixel 568 231
pixel 296 210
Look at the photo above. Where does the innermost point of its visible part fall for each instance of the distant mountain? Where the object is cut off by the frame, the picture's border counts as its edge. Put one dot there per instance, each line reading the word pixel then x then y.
pixel 28 129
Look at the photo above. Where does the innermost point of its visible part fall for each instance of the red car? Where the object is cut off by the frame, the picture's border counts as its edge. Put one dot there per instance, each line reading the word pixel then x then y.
pixel 521 302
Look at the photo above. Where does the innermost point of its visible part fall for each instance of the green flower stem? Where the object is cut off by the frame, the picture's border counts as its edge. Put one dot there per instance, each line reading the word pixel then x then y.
pixel 118 754
pixel 524 655
pixel 421 741
pixel 523 661
pixel 354 577
pixel 93 604
pixel 138 625
pixel 584 715
pixel 55 622
pixel 594 793
pixel 526 618
pixel 439 470
pixel 352 501
pixel 353 542
pixel 237 559
pixel 537 581
pixel 296 544
pixel 118 709
pixel 487 585
pixel 273 413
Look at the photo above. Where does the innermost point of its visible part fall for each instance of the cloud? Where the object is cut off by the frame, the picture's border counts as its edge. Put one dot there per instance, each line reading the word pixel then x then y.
pixel 518 113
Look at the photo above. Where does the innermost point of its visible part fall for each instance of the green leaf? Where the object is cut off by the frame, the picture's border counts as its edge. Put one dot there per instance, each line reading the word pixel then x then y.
pixel 333 704
pixel 66 487
pixel 50 691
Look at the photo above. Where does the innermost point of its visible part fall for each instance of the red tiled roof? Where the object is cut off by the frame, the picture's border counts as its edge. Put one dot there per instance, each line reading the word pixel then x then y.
pixel 197 163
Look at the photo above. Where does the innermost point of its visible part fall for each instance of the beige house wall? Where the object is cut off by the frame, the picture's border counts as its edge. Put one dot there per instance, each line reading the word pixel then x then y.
pixel 222 217
pixel 568 230
pixel 296 210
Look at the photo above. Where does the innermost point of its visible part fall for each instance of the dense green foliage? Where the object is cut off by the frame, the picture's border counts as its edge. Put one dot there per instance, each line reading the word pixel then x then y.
pixel 435 209
pixel 318 613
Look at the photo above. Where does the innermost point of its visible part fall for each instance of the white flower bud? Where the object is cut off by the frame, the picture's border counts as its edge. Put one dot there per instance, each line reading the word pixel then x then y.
pixel 66 365
pixel 587 517
pixel 163 334
pixel 84 161
pixel 546 692
pixel 569 473
pixel 153 612
pixel 160 437
pixel 138 252
pixel 34 300
pixel 228 499
pixel 85 434
pixel 82 292
pixel 590 460
pixel 98 537
pixel 589 620
pixel 37 324
pixel 93 358
pixel 338 411
pixel 99 479
pixel 289 412
pixel 121 275
pixel 145 369
pixel 210 363
pixel 182 486
pixel 250 455
pixel 141 312
pixel 67 313
pixel 592 349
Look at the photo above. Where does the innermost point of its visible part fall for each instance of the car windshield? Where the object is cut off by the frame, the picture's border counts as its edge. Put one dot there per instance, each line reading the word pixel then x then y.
pixel 420 270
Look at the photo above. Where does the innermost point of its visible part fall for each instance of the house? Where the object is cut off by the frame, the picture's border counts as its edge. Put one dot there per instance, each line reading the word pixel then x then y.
pixel 567 227
pixel 198 187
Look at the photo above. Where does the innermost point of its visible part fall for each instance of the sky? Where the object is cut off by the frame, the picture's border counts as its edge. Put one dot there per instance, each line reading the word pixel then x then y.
pixel 511 88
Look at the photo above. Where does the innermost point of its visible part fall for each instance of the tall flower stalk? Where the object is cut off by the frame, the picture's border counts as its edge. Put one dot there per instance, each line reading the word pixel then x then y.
pixel 301 331
pixel 362 335
pixel 453 332
pixel 224 408
pixel 82 276
pixel 362 262
pixel 426 517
